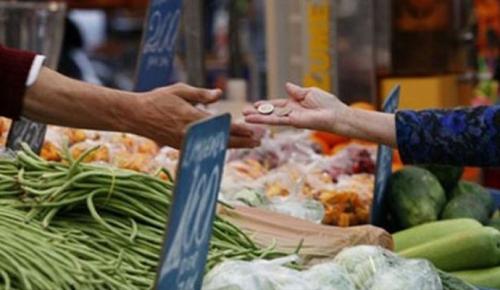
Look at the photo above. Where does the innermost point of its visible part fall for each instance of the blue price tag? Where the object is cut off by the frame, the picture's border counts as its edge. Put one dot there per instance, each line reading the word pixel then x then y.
pixel 384 167
pixel 189 230
pixel 158 44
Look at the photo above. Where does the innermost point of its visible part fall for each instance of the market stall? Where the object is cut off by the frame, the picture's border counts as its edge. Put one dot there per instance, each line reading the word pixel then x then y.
pixel 86 209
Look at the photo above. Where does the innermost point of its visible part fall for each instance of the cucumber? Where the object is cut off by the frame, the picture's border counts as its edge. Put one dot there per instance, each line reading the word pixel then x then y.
pixel 431 231
pixel 489 278
pixel 471 249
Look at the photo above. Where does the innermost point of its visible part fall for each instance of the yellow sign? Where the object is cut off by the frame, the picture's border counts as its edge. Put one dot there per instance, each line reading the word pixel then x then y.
pixel 319 60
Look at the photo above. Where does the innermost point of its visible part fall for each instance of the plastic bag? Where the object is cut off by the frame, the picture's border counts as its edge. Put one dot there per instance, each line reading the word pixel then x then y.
pixel 256 275
pixel 328 276
pixel 375 268
pixel 411 274
pixel 365 262
pixel 303 208
pixel 272 275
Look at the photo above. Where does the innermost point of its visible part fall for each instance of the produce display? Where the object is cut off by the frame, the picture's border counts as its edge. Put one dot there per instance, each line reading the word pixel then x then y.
pixel 418 196
pixel 356 268
pixel 289 173
pixel 464 247
pixel 72 225
pixel 449 222
pixel 285 174
pixel 90 213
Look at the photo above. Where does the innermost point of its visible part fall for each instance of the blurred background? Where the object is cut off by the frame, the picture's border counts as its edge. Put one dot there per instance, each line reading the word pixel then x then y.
pixel 358 49
pixel 444 53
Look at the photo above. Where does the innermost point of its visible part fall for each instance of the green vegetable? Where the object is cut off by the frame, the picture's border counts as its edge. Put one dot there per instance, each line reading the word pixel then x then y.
pixel 471 249
pixel 448 176
pixel 415 197
pixel 363 263
pixel 431 231
pixel 470 200
pixel 489 278
pixel 83 226
pixel 450 282
pixel 495 223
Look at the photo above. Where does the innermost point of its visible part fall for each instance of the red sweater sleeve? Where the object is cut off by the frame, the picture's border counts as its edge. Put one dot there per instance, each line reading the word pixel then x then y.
pixel 14 69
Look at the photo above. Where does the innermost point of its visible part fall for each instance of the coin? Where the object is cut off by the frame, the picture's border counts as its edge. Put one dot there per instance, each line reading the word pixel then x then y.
pixel 266 109
pixel 283 112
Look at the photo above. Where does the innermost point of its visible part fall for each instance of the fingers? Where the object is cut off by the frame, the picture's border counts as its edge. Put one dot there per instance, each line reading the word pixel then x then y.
pixel 296 92
pixel 242 130
pixel 268 119
pixel 194 94
pixel 242 142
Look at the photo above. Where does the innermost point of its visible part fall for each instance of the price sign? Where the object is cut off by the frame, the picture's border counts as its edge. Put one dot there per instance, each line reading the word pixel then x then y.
pixel 26 131
pixel 384 167
pixel 158 44
pixel 189 230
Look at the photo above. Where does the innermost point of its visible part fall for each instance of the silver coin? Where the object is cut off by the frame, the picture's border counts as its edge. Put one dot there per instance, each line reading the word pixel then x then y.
pixel 266 109
pixel 283 112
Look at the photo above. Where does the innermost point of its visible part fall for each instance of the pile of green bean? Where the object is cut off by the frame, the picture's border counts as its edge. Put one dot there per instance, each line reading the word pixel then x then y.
pixel 111 220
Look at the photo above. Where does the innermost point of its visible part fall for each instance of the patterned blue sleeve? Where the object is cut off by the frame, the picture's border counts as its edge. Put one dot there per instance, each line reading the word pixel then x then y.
pixel 469 136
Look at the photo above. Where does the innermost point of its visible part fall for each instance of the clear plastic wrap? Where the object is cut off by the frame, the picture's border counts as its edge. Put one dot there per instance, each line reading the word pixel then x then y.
pixel 272 275
pixel 299 207
pixel 365 262
pixel 410 274
pixel 256 275
pixel 357 268
pixel 375 268
pixel 328 276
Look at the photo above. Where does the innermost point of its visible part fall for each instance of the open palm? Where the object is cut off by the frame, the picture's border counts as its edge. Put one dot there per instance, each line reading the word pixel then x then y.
pixel 310 108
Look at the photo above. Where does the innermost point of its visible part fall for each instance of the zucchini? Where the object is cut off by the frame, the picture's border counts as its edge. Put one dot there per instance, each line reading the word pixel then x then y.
pixel 471 249
pixel 489 278
pixel 431 231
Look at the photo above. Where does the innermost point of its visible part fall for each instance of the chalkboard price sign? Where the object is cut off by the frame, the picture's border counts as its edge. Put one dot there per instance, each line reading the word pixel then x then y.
pixel 158 44
pixel 384 167
pixel 189 230
pixel 26 131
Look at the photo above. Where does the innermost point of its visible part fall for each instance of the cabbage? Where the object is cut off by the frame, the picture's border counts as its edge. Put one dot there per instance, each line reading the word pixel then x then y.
pixel 357 268
pixel 328 276
pixel 412 274
pixel 259 275
pixel 365 262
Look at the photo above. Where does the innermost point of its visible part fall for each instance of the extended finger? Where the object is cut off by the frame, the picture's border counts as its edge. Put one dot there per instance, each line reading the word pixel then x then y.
pixel 242 142
pixel 196 95
pixel 268 119
pixel 242 130
pixel 296 92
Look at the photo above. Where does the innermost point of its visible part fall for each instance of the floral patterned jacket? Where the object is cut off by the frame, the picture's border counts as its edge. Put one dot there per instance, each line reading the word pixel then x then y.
pixel 464 136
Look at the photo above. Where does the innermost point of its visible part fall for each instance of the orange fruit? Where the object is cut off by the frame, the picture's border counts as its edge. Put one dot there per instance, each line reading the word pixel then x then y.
pixel 396 158
pixel 396 166
pixel 363 106
pixel 325 147
pixel 330 138
pixel 472 174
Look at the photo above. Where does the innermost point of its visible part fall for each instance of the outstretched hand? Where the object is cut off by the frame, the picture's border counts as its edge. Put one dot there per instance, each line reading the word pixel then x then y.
pixel 171 109
pixel 310 108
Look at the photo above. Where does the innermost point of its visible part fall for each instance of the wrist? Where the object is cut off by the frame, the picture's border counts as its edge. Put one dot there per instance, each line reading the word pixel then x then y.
pixel 126 112
pixel 342 120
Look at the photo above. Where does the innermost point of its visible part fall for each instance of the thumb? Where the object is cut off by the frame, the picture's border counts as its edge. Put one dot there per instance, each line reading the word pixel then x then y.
pixel 203 96
pixel 296 92
pixel 197 95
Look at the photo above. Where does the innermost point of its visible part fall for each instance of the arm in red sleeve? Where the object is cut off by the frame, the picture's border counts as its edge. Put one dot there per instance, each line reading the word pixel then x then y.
pixel 14 69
